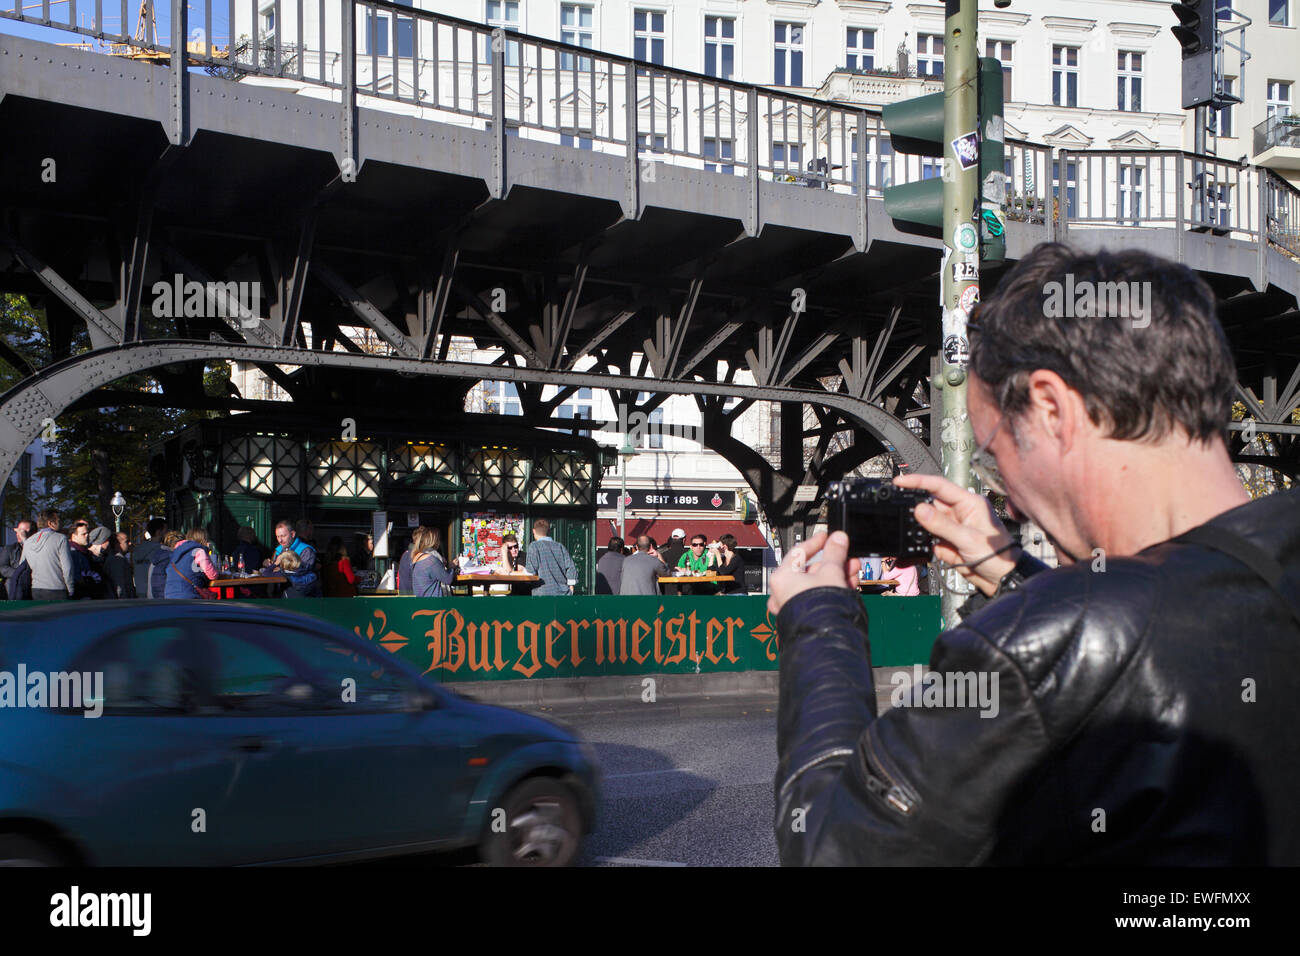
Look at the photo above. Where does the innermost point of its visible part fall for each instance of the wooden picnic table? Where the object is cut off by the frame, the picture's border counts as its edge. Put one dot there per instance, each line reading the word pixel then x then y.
pixel 696 578
pixel 519 583
pixel 225 587
pixel 889 585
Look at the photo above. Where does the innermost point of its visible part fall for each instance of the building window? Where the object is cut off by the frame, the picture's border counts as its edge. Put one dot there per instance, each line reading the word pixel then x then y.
pixel 1221 119
pixel 1279 14
pixel 653 437
pixel 503 14
pixel 1002 50
pixel 379 30
pixel 1223 9
pixel 720 47
pixel 1065 76
pixel 24 473
pixel 576 28
pixel 719 149
pixel 1131 187
pixel 501 398
pixel 650 143
pixel 569 139
pixel 1069 190
pixel 1130 82
pixel 788 70
pixel 785 159
pixel 578 405
pixel 929 54
pixel 648 36
pixel 931 167
pixel 860 49
pixel 1218 197
pixel 1279 98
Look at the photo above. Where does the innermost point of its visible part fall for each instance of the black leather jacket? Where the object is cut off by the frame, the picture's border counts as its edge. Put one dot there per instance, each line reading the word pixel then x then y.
pixel 1149 714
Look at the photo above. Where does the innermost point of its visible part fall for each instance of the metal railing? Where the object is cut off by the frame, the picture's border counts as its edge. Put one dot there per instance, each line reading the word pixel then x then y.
pixel 1278 130
pixel 443 68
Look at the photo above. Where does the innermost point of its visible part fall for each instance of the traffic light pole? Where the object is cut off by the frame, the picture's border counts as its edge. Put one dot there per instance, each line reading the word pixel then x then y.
pixel 960 271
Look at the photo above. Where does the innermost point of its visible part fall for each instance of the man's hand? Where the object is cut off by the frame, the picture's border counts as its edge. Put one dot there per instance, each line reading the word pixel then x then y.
pixel 798 572
pixel 967 528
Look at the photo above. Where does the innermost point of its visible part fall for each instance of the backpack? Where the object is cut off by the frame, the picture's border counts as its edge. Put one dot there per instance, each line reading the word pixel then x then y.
pixel 20 583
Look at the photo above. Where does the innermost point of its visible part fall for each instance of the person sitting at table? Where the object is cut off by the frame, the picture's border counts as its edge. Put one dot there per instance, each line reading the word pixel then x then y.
pixel 908 581
pixel 697 561
pixel 302 583
pixel 730 563
pixel 340 580
pixel 247 550
pixel 509 562
pixel 430 576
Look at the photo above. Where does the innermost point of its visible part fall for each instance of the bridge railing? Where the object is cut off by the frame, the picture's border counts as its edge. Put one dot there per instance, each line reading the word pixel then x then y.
pixel 447 69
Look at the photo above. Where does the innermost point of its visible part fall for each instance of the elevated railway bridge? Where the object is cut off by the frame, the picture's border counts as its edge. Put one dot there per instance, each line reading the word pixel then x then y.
pixel 604 223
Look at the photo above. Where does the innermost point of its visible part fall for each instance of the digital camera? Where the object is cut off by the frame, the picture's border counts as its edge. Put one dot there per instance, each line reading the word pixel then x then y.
pixel 879 520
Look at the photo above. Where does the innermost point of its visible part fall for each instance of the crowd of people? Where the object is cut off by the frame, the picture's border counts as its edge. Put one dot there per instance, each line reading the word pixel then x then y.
pixel 638 569
pixel 51 562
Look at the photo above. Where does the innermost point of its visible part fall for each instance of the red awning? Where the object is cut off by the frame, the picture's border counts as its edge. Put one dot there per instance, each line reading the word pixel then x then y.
pixel 661 529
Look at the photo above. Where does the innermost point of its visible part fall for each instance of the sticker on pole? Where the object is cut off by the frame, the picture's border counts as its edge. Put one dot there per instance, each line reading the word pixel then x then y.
pixel 967 150
pixel 969 296
pixel 956 351
pixel 965 237
pixel 966 271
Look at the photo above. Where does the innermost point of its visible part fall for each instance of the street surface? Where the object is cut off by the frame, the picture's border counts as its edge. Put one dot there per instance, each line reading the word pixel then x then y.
pixel 683 784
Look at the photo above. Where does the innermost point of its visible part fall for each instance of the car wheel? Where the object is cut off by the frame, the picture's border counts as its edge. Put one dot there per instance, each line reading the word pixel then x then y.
pixel 543 826
pixel 24 851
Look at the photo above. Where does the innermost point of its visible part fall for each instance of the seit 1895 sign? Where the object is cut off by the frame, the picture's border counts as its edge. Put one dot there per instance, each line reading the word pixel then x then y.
pixel 721 502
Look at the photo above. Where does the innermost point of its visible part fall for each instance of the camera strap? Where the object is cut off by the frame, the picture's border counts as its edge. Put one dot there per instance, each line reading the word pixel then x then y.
pixel 1261 562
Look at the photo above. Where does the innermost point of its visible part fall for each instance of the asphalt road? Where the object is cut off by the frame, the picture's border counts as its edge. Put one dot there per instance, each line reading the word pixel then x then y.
pixel 683 784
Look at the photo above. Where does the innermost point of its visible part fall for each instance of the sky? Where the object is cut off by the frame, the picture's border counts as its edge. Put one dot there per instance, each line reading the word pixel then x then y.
pixel 60 11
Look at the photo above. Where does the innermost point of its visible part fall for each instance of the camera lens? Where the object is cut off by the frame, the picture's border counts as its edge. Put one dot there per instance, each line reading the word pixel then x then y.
pixel 884 493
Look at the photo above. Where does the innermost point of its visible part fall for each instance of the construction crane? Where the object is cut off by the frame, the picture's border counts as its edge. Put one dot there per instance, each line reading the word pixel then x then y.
pixel 145 37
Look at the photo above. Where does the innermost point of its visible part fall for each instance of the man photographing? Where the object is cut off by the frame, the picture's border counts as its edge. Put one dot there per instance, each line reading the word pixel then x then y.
pixel 1147 687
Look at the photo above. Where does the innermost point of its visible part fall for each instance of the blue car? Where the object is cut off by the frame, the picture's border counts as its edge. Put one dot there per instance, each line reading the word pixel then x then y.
pixel 216 733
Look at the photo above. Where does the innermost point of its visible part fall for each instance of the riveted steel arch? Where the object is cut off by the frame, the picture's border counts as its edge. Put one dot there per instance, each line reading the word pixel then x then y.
pixel 27 406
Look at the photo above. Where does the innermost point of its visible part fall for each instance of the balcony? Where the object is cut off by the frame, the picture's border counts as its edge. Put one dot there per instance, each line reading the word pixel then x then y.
pixel 1277 142
pixel 876 87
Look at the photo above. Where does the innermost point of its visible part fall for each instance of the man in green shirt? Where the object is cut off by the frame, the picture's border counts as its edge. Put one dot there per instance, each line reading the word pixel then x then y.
pixel 697 560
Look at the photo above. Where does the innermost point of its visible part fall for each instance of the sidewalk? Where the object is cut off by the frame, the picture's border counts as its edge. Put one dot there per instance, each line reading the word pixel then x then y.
pixel 595 694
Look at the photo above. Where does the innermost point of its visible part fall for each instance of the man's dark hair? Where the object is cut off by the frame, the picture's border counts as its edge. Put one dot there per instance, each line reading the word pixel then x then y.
pixel 155 526
pixel 542 527
pixel 729 540
pixel 616 544
pixel 1137 380
pixel 49 518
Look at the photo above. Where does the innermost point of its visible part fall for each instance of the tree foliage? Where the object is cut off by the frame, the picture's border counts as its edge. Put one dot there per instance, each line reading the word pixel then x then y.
pixel 94 452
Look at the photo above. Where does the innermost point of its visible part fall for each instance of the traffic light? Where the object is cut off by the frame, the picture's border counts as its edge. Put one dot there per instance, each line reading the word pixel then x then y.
pixel 1195 34
pixel 916 126
pixel 993 176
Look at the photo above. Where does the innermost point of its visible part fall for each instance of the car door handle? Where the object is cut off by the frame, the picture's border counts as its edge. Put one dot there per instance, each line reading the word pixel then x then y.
pixel 254 745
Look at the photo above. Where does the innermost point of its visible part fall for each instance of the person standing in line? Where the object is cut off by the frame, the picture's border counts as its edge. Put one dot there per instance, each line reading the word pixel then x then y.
pixel 430 576
pixel 142 556
pixel 11 555
pixel 609 568
pixel 190 568
pixel 641 572
pixel 404 581
pixel 119 581
pixel 49 556
pixel 551 562
pixel 87 566
pixel 159 561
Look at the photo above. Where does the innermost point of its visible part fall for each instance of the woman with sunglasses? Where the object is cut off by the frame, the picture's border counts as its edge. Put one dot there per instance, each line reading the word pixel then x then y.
pixel 509 562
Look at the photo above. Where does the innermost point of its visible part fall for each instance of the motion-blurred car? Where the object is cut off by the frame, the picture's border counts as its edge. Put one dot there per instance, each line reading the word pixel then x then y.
pixel 239 734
